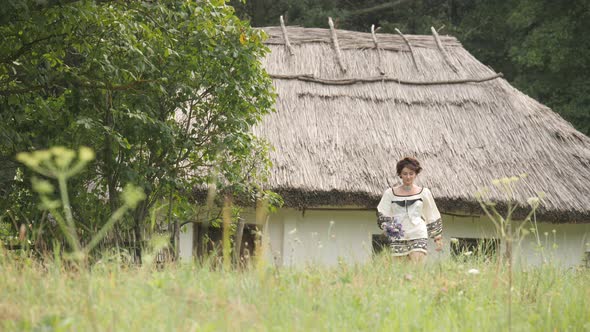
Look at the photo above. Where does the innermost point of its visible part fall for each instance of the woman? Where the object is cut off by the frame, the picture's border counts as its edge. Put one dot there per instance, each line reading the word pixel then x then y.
pixel 408 215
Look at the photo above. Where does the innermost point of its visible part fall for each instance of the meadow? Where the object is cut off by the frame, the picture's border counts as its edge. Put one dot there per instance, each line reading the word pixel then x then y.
pixel 382 295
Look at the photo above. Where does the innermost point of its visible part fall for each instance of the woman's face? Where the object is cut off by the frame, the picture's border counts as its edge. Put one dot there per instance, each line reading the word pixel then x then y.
pixel 408 176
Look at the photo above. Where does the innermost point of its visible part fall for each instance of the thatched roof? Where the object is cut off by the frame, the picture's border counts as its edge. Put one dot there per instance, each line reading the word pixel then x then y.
pixel 341 125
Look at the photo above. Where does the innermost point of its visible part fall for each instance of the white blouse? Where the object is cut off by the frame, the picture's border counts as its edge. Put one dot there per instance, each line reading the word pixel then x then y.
pixel 417 214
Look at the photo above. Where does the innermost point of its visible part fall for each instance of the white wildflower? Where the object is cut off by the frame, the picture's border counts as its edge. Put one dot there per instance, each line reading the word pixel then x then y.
pixel 533 201
pixel 86 153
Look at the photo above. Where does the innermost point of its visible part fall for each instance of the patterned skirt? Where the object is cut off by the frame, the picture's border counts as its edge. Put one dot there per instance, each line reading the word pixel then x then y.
pixel 404 247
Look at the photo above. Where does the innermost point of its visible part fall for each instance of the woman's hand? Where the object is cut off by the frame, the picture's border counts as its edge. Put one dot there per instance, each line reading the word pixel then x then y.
pixel 438 240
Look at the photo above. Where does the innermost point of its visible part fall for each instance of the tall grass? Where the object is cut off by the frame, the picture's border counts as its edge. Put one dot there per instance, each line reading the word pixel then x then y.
pixel 384 294
pixel 380 295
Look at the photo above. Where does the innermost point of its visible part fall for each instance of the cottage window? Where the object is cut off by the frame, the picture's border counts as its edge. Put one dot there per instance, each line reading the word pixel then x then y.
pixel 464 247
pixel 208 240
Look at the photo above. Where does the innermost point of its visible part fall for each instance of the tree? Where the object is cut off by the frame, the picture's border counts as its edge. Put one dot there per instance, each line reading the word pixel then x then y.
pixel 164 92
pixel 551 49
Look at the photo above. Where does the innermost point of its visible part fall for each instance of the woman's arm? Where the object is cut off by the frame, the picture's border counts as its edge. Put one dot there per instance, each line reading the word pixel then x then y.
pixel 384 209
pixel 431 216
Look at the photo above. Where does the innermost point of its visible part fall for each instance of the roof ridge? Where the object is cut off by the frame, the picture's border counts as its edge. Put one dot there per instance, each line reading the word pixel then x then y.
pixel 354 39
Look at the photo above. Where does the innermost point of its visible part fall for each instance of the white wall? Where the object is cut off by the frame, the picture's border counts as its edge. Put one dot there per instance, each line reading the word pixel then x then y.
pixel 186 243
pixel 564 244
pixel 325 236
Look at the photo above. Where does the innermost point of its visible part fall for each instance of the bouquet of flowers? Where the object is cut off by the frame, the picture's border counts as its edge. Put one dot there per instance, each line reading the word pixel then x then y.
pixel 394 229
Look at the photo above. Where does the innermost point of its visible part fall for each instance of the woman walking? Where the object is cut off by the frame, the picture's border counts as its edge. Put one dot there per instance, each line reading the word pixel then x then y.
pixel 408 214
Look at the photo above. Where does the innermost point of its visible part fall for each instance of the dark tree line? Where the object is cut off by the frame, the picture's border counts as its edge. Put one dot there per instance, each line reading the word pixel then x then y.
pixel 541 46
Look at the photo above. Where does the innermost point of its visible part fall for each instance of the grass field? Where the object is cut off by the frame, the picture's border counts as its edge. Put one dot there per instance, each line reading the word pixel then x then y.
pixel 381 295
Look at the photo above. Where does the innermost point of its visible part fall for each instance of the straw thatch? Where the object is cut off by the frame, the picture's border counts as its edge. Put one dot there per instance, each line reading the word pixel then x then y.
pixel 338 133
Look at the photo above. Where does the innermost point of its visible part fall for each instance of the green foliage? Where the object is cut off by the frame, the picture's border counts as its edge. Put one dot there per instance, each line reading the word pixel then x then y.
pixel 164 92
pixel 58 163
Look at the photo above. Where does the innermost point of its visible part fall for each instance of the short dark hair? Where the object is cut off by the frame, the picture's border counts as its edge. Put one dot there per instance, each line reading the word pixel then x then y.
pixel 409 162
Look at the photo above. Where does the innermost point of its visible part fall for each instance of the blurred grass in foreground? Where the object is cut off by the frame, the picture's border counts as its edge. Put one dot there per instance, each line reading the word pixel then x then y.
pixel 380 295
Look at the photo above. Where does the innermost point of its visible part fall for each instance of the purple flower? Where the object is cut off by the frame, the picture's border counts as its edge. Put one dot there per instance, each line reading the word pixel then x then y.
pixel 394 229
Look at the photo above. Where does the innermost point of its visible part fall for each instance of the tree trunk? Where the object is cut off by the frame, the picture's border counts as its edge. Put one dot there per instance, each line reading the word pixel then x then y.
pixel 109 162
pixel 195 244
pixel 138 218
pixel 175 234
pixel 238 241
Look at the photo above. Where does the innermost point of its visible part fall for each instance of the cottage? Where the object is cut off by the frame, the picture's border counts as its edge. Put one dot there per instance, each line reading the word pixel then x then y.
pixel 350 104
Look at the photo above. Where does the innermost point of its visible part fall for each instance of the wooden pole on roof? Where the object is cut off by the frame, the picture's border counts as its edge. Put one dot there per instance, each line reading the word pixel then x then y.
pixel 285 37
pixel 442 50
pixel 355 80
pixel 336 45
pixel 409 46
pixel 377 47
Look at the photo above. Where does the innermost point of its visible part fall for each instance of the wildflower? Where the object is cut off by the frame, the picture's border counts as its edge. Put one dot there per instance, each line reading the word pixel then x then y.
pixel 331 222
pixel 454 240
pixel 41 155
pixel 132 195
pixel 473 271
pixel 468 253
pixel 42 186
pixel 554 231
pixel 86 153
pixel 293 231
pixel 27 159
pixel 394 229
pixel 533 201
pixel 63 156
